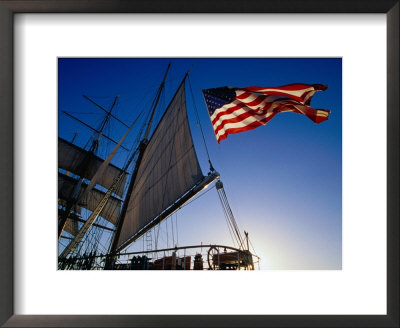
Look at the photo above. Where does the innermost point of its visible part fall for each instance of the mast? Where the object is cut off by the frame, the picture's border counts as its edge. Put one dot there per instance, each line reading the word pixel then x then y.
pixel 82 170
pixel 160 89
pixel 141 148
pixel 170 153
pixel 99 208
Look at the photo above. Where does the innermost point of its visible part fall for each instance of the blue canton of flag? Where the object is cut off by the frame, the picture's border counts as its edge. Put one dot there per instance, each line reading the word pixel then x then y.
pixel 218 97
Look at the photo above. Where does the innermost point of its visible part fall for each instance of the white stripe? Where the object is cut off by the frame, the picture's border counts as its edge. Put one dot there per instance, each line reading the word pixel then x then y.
pixel 235 125
pixel 236 103
pixel 322 113
pixel 309 95
pixel 254 96
pixel 248 120
pixel 240 124
pixel 299 106
pixel 304 109
pixel 297 93
pixel 223 108
pixel 245 101
pixel 241 111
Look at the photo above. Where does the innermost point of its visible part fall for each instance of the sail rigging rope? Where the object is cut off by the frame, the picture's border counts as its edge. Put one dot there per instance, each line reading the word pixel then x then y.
pixel 172 228
pixel 199 125
pixel 176 225
pixel 230 227
pixel 200 195
pixel 254 250
pixel 228 213
pixel 166 227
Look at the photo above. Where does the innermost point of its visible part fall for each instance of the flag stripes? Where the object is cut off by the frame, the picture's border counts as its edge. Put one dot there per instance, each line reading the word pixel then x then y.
pixel 234 110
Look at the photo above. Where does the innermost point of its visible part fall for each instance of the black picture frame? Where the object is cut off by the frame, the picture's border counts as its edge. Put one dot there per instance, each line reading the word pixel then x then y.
pixel 10 7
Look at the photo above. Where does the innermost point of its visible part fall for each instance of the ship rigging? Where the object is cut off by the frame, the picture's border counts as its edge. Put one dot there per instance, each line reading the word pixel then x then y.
pixel 161 174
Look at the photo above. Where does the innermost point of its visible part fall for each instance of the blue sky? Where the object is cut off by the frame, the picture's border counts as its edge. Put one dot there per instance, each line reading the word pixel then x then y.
pixel 283 180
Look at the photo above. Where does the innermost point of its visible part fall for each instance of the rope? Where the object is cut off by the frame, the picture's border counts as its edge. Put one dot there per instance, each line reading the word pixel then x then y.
pixel 199 125
pixel 175 127
pixel 230 228
pixel 229 222
pixel 176 225
pixel 166 227
pixel 251 244
pixel 202 194
pixel 172 228
pixel 230 217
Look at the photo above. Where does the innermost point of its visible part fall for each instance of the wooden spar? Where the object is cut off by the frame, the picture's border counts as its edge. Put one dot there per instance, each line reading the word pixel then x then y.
pixel 95 225
pixel 160 89
pixel 92 128
pixel 115 118
pixel 175 206
pixel 83 167
pixel 90 221
pixel 106 119
pixel 141 148
pixel 117 233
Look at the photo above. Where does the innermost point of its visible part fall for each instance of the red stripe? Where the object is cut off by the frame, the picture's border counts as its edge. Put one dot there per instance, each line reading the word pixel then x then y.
pixel 291 87
pixel 230 110
pixel 319 119
pixel 280 107
pixel 240 105
pixel 236 119
pixel 281 93
pixel 255 102
pixel 311 113
pixel 290 103
pixel 251 126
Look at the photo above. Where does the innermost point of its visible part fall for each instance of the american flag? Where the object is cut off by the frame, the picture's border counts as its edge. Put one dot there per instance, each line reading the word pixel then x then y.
pixel 234 110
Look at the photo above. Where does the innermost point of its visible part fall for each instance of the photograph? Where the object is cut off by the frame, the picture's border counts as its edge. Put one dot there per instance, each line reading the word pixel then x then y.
pixel 199 163
pixel 251 146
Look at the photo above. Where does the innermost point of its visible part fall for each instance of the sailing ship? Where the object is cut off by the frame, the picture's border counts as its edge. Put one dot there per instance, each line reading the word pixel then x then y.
pixel 100 203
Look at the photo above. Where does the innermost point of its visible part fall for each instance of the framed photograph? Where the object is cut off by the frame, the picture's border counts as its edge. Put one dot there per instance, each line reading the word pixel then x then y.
pixel 174 210
pixel 273 126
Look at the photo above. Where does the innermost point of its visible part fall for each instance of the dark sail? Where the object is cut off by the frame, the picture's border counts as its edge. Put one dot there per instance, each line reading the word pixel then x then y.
pixel 71 156
pixel 71 226
pixel 89 201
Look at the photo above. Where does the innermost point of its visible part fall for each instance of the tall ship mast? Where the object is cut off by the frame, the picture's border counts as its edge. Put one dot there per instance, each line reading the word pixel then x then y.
pixel 123 205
